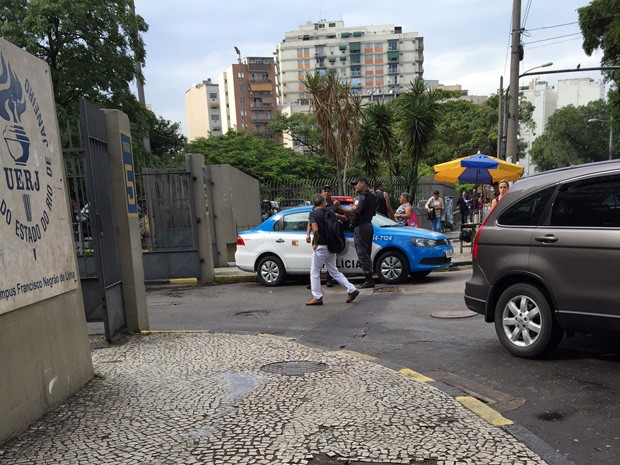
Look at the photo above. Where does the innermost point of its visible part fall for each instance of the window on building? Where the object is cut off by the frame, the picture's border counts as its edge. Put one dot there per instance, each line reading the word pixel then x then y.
pixel 392 68
pixel 212 95
pixel 215 117
pixel 392 45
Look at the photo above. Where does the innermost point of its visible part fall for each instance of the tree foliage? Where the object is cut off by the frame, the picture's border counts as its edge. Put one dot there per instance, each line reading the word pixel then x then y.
pixel 260 158
pixel 302 128
pixel 337 113
pixel 570 138
pixel 378 138
pixel 418 112
pixel 166 140
pixel 600 25
pixel 91 47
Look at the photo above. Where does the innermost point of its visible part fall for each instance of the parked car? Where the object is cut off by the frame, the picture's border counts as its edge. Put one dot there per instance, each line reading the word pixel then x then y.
pixel 278 248
pixel 292 203
pixel 547 258
pixel 268 208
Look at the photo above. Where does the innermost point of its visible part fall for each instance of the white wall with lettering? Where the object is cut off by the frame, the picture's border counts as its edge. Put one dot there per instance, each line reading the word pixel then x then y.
pixel 37 254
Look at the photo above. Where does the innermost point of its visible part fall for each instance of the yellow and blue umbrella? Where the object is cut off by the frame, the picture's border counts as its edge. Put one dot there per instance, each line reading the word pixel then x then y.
pixel 477 169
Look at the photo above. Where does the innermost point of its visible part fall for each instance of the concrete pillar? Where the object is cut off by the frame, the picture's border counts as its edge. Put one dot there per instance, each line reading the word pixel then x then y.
pixel 124 198
pixel 195 164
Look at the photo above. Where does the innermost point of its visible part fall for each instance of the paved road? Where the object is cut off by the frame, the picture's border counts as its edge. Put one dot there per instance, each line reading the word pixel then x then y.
pixel 569 399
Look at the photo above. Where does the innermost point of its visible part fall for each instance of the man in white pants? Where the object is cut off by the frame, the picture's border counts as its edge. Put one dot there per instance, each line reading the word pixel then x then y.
pixel 321 256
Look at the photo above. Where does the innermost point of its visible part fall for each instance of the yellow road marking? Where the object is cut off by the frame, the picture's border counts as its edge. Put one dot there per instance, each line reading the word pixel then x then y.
pixel 414 375
pixel 368 358
pixel 484 411
pixel 184 281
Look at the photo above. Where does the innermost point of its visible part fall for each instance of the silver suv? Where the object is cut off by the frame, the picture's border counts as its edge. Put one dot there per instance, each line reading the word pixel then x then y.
pixel 547 258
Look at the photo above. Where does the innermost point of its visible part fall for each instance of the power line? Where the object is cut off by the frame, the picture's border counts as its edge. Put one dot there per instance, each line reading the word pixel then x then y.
pixel 553 38
pixel 553 43
pixel 550 27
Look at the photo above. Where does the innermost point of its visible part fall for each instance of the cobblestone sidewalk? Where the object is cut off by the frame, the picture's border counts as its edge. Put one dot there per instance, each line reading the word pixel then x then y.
pixel 187 398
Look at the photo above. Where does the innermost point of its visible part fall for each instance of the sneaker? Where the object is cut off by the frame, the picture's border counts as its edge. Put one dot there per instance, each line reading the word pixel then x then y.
pixel 315 301
pixel 352 295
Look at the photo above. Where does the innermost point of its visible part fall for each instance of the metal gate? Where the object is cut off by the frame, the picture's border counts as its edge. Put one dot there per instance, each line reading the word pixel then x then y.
pixel 101 218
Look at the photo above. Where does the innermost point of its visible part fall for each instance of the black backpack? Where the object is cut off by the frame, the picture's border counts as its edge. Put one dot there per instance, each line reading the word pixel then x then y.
pixel 334 230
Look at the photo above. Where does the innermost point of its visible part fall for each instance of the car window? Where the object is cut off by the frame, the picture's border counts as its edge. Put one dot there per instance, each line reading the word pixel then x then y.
pixel 527 211
pixel 295 222
pixel 593 202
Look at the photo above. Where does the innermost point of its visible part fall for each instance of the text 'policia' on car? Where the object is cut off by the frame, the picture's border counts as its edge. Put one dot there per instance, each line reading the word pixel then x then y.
pixel 547 258
pixel 278 248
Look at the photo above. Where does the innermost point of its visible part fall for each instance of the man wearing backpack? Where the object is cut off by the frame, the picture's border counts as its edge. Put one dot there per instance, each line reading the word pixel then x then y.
pixel 361 213
pixel 322 256
pixel 329 205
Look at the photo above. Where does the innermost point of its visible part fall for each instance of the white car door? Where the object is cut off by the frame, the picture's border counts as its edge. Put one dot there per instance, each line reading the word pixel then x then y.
pixel 289 242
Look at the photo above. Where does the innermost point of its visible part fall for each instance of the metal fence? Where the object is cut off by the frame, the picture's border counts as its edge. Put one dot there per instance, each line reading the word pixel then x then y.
pixel 291 192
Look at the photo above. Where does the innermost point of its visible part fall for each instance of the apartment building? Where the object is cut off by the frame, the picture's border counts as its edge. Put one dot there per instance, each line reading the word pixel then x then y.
pixel 379 61
pixel 202 110
pixel 248 96
pixel 547 99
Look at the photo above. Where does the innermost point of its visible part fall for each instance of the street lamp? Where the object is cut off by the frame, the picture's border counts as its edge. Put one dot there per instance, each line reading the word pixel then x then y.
pixel 510 115
pixel 611 132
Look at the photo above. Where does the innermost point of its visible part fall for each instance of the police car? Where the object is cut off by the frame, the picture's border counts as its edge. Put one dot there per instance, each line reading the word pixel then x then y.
pixel 278 248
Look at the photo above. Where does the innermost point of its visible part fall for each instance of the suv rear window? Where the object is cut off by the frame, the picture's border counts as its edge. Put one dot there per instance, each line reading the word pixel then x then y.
pixel 527 211
pixel 589 203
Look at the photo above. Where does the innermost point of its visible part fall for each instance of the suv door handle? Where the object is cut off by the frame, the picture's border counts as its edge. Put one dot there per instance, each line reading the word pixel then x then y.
pixel 279 241
pixel 548 239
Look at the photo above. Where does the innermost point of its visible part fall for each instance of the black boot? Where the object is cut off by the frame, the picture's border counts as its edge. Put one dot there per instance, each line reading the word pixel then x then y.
pixel 368 283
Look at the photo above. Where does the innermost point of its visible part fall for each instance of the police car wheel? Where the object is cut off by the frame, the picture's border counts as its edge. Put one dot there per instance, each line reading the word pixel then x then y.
pixel 270 271
pixel 392 267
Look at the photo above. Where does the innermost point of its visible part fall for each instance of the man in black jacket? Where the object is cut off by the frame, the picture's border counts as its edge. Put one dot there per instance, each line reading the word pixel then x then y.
pixel 361 213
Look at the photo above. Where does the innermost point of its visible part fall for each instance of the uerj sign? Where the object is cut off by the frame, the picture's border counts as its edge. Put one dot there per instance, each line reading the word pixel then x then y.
pixel 36 246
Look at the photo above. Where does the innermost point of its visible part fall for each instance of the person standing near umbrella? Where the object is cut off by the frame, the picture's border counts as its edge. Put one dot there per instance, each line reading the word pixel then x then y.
pixel 434 208
pixel 503 188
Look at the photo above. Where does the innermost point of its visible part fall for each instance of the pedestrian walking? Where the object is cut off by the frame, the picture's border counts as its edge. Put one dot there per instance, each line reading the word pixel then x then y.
pixel 434 208
pixel 363 209
pixel 322 256
pixel 384 206
pixel 329 204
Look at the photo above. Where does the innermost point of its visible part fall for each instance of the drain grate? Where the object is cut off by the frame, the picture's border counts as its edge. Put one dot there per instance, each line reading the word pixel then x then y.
pixel 294 368
pixel 247 313
pixel 387 290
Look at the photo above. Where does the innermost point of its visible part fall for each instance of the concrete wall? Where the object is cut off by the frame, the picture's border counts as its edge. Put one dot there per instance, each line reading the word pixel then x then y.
pixel 44 358
pixel 44 347
pixel 234 204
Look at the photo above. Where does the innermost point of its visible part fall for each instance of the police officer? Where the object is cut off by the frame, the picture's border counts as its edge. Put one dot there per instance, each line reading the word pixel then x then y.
pixel 361 213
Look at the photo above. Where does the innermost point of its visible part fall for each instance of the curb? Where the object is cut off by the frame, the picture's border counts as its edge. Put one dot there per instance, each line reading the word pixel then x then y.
pixel 154 282
pixel 493 417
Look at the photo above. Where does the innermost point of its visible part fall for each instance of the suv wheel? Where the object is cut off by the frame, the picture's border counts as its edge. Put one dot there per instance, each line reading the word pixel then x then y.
pixel 524 322
pixel 271 271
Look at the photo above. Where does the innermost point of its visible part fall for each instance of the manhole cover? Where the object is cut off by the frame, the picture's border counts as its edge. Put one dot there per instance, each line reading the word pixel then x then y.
pixel 252 313
pixel 294 368
pixel 453 314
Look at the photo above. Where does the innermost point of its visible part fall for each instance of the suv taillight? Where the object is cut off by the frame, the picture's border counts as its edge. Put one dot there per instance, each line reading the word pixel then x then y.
pixel 474 245
pixel 240 240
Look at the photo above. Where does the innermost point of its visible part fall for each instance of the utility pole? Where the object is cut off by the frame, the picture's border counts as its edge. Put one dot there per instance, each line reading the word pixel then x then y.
pixel 513 103
pixel 500 118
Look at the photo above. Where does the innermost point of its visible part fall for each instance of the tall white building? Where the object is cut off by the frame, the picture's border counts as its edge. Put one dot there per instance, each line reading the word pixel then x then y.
pixel 202 110
pixel 379 61
pixel 547 99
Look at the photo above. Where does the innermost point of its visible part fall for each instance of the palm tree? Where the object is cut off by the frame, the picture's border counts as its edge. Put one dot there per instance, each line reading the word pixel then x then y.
pixel 380 117
pixel 366 151
pixel 419 111
pixel 337 113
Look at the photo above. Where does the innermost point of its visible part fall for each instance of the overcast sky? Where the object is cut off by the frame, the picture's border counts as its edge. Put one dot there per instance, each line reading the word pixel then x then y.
pixel 465 41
